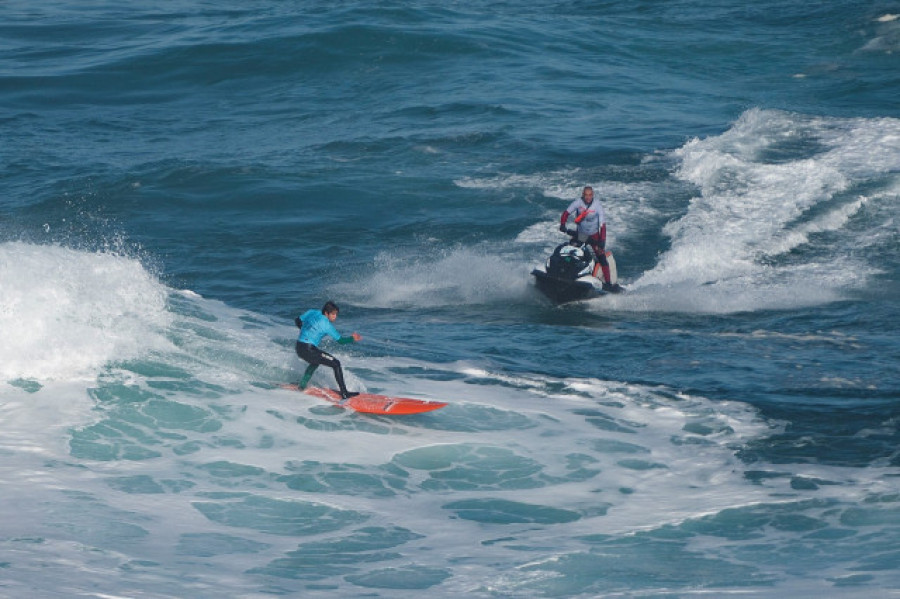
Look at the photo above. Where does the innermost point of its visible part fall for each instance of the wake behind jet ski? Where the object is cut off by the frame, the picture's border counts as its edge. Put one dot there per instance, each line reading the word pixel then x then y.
pixel 570 274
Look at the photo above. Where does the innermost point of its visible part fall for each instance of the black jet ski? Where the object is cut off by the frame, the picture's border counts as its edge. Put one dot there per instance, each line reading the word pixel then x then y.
pixel 569 274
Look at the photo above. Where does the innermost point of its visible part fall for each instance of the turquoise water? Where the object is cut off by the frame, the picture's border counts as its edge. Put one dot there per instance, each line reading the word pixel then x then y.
pixel 179 180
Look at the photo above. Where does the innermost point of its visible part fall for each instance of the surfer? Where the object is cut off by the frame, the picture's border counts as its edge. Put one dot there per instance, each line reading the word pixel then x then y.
pixel 314 325
pixel 591 229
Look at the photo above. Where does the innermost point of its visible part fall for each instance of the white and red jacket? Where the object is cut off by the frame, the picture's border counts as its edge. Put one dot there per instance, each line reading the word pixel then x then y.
pixel 590 221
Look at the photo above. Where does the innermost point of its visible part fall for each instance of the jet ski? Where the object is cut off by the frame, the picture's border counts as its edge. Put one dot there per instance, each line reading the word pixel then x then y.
pixel 569 274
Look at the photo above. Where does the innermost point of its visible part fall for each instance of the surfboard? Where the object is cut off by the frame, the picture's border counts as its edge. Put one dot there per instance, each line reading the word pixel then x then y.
pixel 372 403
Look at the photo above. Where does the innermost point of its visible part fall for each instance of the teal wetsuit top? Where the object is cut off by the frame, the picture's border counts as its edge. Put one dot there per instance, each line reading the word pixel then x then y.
pixel 315 326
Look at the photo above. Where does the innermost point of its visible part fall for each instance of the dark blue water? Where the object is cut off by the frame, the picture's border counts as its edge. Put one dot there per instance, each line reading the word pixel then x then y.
pixel 179 180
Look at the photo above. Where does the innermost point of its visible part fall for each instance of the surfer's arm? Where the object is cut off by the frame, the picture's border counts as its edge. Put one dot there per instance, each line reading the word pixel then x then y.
pixel 353 338
pixel 341 339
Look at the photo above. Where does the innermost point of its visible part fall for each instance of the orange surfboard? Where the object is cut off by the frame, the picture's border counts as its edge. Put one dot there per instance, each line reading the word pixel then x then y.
pixel 371 403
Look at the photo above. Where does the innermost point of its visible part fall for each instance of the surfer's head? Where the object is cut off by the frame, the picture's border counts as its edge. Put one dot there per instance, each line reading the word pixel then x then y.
pixel 587 194
pixel 330 310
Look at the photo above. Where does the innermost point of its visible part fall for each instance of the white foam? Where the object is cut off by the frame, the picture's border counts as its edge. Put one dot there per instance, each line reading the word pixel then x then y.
pixel 752 210
pixel 561 184
pixel 65 312
pixel 462 275
pixel 887 38
pixel 652 457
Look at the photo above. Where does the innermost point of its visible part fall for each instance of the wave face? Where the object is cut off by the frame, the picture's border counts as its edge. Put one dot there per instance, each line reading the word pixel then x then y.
pixel 178 181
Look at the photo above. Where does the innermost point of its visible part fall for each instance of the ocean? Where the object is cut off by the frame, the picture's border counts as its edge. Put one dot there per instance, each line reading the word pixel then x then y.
pixel 179 180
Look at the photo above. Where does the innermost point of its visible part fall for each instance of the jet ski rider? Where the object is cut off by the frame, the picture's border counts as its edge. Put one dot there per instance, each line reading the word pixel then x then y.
pixel 590 228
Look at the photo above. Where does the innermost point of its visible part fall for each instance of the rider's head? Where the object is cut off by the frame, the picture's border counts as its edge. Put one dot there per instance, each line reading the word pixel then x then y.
pixel 330 310
pixel 587 194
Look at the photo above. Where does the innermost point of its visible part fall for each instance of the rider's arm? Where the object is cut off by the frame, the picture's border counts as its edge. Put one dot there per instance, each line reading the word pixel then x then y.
pixel 562 220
